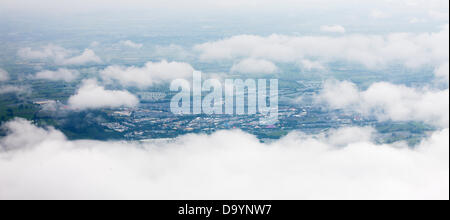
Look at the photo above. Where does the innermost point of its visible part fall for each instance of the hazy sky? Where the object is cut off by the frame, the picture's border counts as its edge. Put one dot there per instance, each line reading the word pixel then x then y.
pixel 82 6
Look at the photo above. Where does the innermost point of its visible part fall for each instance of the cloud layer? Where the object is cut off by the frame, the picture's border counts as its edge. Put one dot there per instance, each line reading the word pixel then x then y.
pixel 148 75
pixel 254 66
pixel 442 72
pixel 62 74
pixel 14 89
pixel 311 65
pixel 38 163
pixel 411 50
pixel 389 102
pixel 131 44
pixel 59 55
pixel 92 96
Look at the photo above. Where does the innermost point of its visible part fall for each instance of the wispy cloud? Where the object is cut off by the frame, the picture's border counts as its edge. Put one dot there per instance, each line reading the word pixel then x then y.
pixel 254 66
pixel 4 76
pixel 333 29
pixel 148 75
pixel 6 89
pixel 131 44
pixel 59 55
pixel 62 74
pixel 389 102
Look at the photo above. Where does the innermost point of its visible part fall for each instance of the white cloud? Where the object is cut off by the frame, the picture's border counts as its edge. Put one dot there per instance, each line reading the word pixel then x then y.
pixel 389 102
pixel 60 74
pixel 311 65
pixel 50 51
pixel 129 43
pixel 254 66
pixel 55 107
pixel 442 72
pixel 148 75
pixel 378 14
pixel 88 56
pixel 93 96
pixel 4 76
pixel 339 95
pixel 14 89
pixel 59 55
pixel 350 135
pixel 333 29
pixel 373 51
pixel 36 163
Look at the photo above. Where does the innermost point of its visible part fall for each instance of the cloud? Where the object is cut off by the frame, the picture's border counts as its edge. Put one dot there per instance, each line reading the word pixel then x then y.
pixel 50 51
pixel 148 75
pixel 94 44
pixel 59 55
pixel 93 96
pixel 173 50
pixel 197 6
pixel 339 95
pixel 60 74
pixel 378 14
pixel 131 44
pixel 55 107
pixel 442 72
pixel 333 29
pixel 254 66
pixel 373 51
pixel 88 56
pixel 389 102
pixel 37 163
pixel 311 65
pixel 350 135
pixel 14 89
pixel 4 76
